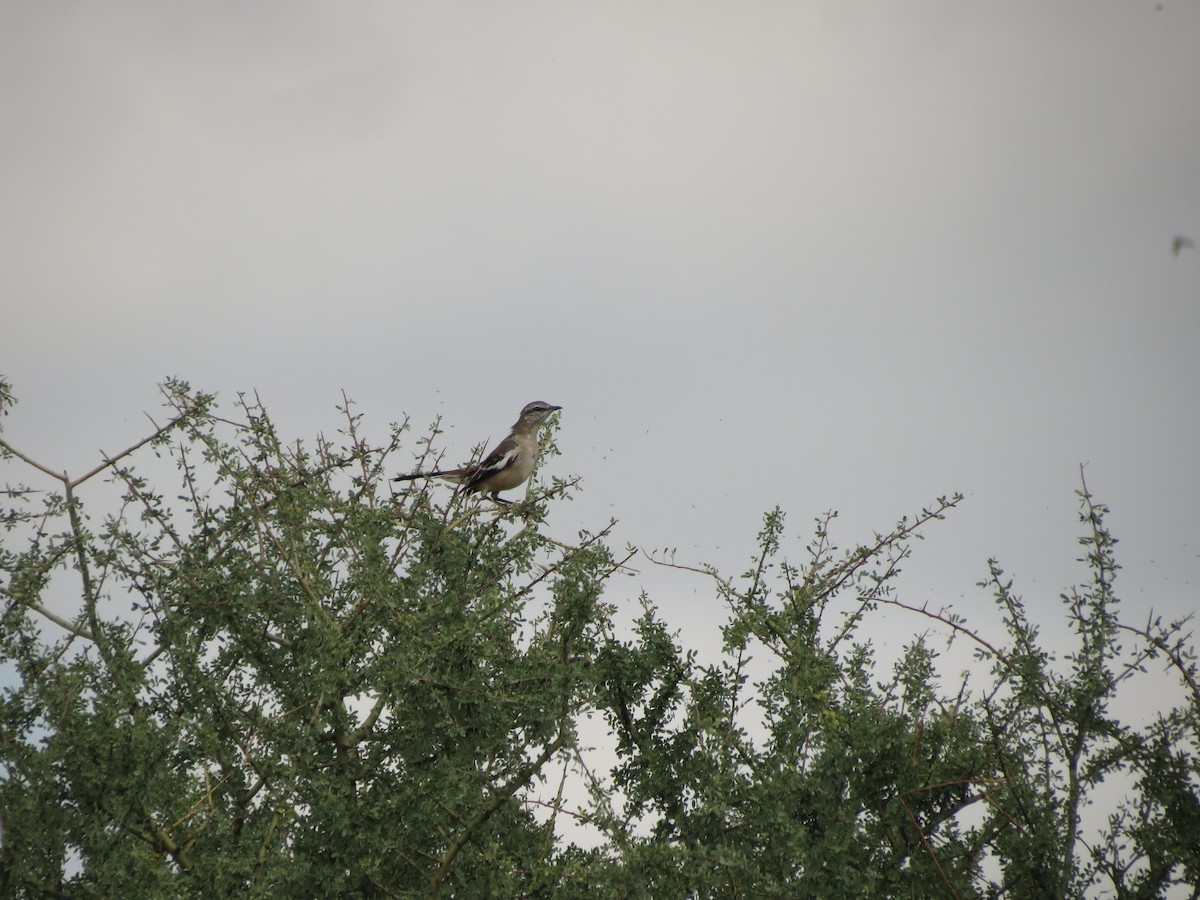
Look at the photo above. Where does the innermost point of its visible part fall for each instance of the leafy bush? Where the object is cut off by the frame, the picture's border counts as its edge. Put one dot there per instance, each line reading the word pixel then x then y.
pixel 284 679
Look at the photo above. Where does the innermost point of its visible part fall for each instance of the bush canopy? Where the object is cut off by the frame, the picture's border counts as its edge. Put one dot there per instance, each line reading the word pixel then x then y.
pixel 269 672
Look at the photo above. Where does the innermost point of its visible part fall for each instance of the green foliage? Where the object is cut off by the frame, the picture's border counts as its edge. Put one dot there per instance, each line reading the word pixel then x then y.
pixel 284 679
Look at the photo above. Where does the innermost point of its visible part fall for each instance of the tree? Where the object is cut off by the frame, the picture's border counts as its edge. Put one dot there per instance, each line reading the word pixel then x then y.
pixel 284 679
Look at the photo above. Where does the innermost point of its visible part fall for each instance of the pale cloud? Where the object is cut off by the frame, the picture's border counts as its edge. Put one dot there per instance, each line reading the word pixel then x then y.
pixel 856 254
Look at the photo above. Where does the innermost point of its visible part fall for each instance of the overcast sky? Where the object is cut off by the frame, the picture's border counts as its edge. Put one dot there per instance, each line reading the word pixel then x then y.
pixel 816 254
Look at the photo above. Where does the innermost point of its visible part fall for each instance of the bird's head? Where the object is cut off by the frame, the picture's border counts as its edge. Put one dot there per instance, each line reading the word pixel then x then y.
pixel 537 412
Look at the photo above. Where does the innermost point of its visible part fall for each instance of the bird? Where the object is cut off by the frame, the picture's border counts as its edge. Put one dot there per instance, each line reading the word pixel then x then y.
pixel 1180 243
pixel 508 465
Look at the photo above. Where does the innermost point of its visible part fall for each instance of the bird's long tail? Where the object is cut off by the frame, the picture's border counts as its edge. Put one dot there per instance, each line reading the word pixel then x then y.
pixel 452 474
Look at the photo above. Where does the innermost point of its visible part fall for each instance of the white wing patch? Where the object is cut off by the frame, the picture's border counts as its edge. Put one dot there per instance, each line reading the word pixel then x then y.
pixel 494 463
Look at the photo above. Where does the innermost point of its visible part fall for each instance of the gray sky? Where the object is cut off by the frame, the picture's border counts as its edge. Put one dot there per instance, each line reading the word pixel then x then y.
pixel 820 254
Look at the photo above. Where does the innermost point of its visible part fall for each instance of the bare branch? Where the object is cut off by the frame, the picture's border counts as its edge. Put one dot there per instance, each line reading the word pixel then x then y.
pixel 60 476
pixel 75 629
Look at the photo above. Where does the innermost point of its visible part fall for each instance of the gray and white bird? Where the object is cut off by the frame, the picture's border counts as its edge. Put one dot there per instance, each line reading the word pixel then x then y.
pixel 509 464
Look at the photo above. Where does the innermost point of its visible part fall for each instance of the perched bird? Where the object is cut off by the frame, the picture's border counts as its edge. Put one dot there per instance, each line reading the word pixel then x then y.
pixel 1180 243
pixel 509 464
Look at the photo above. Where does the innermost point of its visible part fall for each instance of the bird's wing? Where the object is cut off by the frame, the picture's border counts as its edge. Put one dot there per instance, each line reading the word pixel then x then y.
pixel 502 456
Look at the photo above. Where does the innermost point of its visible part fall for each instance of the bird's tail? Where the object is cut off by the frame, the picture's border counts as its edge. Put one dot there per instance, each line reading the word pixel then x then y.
pixel 448 474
